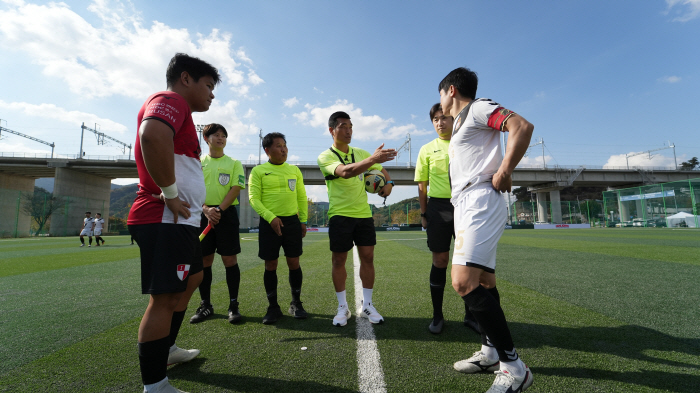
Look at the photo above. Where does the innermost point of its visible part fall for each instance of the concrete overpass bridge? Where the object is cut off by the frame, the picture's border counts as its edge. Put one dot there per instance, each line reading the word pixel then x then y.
pixel 89 178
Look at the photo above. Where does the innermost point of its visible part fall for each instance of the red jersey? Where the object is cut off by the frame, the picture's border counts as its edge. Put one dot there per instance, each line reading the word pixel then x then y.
pixel 172 109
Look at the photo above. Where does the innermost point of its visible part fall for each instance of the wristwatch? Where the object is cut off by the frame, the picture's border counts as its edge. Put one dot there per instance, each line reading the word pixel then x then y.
pixel 390 182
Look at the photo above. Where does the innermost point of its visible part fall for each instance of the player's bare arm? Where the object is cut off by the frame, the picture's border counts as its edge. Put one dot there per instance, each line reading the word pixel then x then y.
pixel 423 201
pixel 519 135
pixel 386 190
pixel 157 148
pixel 379 156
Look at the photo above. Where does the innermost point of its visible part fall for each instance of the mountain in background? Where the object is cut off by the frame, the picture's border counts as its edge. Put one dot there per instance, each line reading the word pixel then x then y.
pixel 47 184
pixel 120 200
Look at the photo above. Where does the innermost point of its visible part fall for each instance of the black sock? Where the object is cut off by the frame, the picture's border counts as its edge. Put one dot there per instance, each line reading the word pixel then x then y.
pixel 90 240
pixel 153 360
pixel 484 338
pixel 295 279
pixel 490 316
pixel 438 277
pixel 205 286
pixel 82 240
pixel 270 282
pixel 233 280
pixel 175 324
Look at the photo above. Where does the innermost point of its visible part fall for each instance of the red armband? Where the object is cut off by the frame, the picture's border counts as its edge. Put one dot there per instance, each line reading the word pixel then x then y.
pixel 498 118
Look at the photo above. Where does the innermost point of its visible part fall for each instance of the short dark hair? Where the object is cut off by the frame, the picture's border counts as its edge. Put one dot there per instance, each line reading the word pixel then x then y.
pixel 213 128
pixel 88 213
pixel 435 109
pixel 333 120
pixel 192 65
pixel 98 214
pixel 463 79
pixel 269 139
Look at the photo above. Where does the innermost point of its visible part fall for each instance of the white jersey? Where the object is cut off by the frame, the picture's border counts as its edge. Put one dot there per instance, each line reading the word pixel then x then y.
pixel 475 147
pixel 89 223
pixel 99 223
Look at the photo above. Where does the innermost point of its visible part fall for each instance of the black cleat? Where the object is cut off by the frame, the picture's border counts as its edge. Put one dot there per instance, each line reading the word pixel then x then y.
pixel 233 315
pixel 204 311
pixel 436 325
pixel 274 313
pixel 297 310
pixel 470 322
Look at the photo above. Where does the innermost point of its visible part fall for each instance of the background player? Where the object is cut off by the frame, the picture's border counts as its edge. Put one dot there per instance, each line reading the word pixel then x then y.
pixel 224 178
pixel 437 213
pixel 86 230
pixel 99 223
pixel 349 215
pixel 165 216
pixel 278 195
pixel 479 173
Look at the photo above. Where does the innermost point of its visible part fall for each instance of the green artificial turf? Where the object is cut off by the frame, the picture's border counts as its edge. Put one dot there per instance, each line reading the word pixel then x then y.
pixel 611 310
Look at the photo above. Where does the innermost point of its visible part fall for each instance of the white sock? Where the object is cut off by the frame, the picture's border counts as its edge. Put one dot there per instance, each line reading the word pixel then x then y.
pixel 341 298
pixel 152 386
pixel 516 368
pixel 490 352
pixel 367 296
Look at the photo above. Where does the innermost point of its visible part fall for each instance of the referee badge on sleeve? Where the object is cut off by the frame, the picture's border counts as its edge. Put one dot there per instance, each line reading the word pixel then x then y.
pixel 292 184
pixel 224 178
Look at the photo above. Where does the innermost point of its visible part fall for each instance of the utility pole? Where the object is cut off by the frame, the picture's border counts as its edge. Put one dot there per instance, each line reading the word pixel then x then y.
pixel 670 146
pixel 101 136
pixel 405 146
pixel 260 146
pixel 540 141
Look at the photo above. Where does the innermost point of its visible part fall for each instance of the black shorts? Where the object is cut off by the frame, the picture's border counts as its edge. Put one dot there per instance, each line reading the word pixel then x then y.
pixel 223 238
pixel 344 231
pixel 441 224
pixel 170 254
pixel 269 243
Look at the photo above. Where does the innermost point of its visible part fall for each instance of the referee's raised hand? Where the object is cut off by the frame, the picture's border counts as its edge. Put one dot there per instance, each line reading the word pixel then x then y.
pixel 383 155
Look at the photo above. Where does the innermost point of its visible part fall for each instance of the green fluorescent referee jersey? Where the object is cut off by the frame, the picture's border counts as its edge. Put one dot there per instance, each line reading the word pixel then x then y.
pixel 220 175
pixel 433 166
pixel 347 197
pixel 277 190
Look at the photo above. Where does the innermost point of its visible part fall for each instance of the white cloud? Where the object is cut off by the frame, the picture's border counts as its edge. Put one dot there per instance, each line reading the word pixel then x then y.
pixel 317 193
pixel 225 114
pixel 372 127
pixel 16 145
pixel 250 114
pixel 642 160
pixel 51 111
pixel 290 102
pixel 120 57
pixel 671 79
pixel 534 161
pixel 691 12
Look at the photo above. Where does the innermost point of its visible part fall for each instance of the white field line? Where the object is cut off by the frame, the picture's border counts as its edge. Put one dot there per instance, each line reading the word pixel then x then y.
pixel 369 367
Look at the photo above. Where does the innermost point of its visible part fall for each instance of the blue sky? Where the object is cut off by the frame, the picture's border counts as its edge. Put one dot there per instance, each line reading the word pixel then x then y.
pixel 597 79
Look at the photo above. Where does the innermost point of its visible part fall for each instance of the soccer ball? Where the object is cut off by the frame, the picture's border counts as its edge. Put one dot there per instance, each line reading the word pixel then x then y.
pixel 374 181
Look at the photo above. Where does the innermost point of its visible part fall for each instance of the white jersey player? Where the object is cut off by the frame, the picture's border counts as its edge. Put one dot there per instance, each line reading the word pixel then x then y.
pixel 478 171
pixel 99 224
pixel 88 224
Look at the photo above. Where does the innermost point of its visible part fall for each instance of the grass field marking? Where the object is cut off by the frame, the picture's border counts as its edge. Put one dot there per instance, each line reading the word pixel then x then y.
pixel 369 367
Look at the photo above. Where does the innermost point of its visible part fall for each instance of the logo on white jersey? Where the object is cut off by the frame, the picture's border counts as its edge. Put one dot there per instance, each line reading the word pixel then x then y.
pixel 183 271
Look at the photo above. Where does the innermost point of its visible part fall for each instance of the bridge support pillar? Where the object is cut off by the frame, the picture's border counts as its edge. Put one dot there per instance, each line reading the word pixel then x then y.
pixel 542 206
pixel 13 221
pixel 82 192
pixel 640 209
pixel 248 216
pixel 555 206
pixel 624 211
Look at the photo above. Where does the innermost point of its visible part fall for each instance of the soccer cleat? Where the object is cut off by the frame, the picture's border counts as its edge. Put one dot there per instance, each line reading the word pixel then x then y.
pixel 164 387
pixel 234 316
pixel 342 316
pixel 297 310
pixel 478 363
pixel 370 313
pixel 203 312
pixel 470 322
pixel 274 313
pixel 179 355
pixel 89 245
pixel 103 242
pixel 82 245
pixel 506 383
pixel 436 326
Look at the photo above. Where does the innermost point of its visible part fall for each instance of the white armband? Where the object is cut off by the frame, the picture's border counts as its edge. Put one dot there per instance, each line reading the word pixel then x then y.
pixel 170 192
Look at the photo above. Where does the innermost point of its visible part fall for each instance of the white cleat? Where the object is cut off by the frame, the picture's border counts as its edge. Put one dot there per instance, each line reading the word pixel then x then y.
pixel 82 245
pixel 506 383
pixel 179 355
pixel 342 316
pixel 164 387
pixel 478 363
pixel 370 313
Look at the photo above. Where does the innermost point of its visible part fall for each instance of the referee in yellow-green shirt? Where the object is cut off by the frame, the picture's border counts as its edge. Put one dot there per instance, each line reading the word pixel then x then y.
pixel 224 178
pixel 350 218
pixel 437 212
pixel 277 194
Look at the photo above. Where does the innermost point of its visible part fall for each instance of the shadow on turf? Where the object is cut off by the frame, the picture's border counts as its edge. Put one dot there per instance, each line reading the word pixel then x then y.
pixel 245 383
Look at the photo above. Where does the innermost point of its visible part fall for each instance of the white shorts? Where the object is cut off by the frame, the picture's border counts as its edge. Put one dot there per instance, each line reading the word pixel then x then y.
pixel 480 218
pixel 98 232
pixel 86 232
